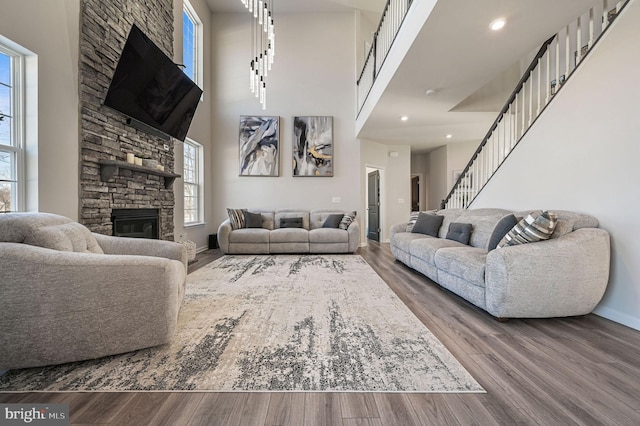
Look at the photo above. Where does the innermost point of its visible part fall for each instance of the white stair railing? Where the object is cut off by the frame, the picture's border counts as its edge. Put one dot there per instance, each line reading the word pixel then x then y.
pixel 556 60
pixel 390 23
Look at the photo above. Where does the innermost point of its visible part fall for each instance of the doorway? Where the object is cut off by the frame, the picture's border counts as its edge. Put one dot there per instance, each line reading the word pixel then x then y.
pixel 415 193
pixel 373 205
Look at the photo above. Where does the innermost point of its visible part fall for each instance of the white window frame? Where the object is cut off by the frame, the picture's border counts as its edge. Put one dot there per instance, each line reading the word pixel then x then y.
pixel 198 36
pixel 17 143
pixel 197 185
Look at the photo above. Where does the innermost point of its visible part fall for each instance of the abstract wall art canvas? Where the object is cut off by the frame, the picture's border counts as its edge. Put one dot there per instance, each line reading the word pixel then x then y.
pixel 259 146
pixel 313 146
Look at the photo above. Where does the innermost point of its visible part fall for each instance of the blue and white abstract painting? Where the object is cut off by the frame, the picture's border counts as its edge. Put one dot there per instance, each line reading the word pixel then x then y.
pixel 313 146
pixel 259 146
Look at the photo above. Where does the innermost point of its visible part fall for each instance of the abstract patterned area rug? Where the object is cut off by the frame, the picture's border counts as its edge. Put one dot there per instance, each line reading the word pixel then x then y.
pixel 276 323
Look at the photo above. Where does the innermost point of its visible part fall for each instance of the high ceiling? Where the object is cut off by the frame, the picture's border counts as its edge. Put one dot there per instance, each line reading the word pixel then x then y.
pixel 471 69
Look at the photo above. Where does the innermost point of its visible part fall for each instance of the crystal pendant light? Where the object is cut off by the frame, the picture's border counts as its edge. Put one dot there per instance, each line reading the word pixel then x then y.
pixel 262 46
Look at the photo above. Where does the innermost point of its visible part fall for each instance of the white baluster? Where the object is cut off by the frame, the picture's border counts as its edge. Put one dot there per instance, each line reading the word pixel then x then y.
pixel 605 14
pixel 591 29
pixel 567 54
pixel 578 41
pixel 539 67
pixel 548 75
pixel 530 98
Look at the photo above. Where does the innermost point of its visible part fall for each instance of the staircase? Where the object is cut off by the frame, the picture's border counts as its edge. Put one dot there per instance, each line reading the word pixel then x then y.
pixel 552 66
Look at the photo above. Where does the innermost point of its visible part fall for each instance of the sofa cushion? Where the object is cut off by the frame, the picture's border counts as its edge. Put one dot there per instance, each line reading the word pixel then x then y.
pixel 333 221
pixel 290 222
pixel 505 225
pixel 460 232
pixel 328 235
pixel 249 235
pixel 347 219
pixel 426 249
pixel 534 227
pixel 252 220
pixel 291 213
pixel 402 240
pixel 289 235
pixel 70 236
pixel 465 262
pixel 427 224
pixel 236 218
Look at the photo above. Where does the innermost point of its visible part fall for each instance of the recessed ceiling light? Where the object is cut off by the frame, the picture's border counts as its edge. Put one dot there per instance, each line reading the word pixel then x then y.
pixel 498 24
pixel 430 92
pixel 449 136
pixel 404 118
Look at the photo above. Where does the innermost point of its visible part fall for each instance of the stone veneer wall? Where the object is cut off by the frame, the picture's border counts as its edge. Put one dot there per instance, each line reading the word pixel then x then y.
pixel 104 26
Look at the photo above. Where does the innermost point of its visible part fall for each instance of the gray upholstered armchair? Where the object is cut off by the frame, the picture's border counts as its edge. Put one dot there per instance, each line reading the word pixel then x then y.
pixel 67 294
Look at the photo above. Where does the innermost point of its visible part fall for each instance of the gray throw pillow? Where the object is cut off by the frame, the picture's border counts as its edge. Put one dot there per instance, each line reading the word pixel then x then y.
pixel 427 224
pixel 291 222
pixel 460 232
pixel 503 226
pixel 252 220
pixel 333 221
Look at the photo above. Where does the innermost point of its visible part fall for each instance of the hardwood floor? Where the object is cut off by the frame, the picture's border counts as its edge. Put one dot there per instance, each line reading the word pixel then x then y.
pixel 583 370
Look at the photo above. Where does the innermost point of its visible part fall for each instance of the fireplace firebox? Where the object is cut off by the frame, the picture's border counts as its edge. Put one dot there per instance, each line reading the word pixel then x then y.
pixel 136 223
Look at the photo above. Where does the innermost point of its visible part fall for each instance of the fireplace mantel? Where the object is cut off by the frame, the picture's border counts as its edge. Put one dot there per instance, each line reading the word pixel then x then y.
pixel 108 168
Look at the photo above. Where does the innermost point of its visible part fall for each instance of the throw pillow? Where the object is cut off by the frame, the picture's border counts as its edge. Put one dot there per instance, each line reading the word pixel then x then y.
pixel 534 227
pixel 428 224
pixel 252 220
pixel 333 221
pixel 412 221
pixel 347 220
pixel 460 232
pixel 236 217
pixel 291 222
pixel 503 226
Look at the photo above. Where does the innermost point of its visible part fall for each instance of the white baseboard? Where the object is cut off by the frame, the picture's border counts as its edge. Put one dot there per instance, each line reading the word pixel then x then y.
pixel 619 317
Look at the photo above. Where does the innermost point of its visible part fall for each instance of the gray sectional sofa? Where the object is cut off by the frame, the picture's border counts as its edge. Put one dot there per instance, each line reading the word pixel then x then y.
pixel 311 237
pixel 563 276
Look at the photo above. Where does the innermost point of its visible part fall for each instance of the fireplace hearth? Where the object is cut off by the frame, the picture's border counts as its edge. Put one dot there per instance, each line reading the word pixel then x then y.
pixel 136 223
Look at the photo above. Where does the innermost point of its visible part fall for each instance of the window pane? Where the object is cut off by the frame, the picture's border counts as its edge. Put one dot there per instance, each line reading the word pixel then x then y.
pixel 5 130
pixel 5 99
pixel 6 166
pixel 188 45
pixel 7 189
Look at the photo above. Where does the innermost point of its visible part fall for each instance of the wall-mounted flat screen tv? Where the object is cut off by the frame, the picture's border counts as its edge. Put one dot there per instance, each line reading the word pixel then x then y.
pixel 148 87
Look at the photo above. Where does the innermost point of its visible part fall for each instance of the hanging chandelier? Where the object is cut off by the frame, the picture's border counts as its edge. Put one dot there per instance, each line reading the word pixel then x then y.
pixel 262 46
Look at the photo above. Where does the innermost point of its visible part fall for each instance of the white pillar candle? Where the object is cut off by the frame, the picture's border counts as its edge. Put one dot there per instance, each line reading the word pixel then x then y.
pixel 130 158
pixel 138 161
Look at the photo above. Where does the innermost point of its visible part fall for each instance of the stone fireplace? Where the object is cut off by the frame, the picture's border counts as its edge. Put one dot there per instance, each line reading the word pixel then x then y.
pixel 106 137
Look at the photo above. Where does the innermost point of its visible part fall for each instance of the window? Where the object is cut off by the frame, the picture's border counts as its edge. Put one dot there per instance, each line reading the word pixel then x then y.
pixel 11 143
pixel 192 176
pixel 192 44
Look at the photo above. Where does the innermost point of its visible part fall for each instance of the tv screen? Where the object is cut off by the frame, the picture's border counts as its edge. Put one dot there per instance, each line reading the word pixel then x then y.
pixel 148 87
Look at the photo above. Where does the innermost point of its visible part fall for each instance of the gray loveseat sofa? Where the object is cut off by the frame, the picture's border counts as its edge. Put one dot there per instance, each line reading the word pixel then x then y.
pixel 67 294
pixel 563 276
pixel 311 237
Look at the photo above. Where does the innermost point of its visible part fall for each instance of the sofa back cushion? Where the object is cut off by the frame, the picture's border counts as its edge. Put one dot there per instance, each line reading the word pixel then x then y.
pixel 291 213
pixel 318 217
pixel 48 231
pixel 484 222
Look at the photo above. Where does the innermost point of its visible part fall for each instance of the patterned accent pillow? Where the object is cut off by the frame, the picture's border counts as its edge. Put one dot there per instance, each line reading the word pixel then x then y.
pixel 534 227
pixel 347 219
pixel 236 217
pixel 412 221
pixel 460 232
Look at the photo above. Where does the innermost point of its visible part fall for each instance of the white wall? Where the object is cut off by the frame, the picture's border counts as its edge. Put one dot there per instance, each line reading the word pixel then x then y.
pixel 458 156
pixel 395 182
pixel 313 74
pixel 437 177
pixel 200 131
pixel 582 154
pixel 50 30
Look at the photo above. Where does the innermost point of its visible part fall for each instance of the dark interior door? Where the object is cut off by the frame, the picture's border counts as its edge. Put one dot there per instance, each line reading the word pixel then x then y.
pixel 415 193
pixel 373 208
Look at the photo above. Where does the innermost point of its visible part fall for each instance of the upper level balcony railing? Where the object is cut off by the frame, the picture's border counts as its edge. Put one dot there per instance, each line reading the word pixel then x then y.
pixel 556 60
pixel 391 21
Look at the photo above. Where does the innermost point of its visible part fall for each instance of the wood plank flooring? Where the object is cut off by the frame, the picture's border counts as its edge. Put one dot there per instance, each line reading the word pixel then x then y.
pixel 583 371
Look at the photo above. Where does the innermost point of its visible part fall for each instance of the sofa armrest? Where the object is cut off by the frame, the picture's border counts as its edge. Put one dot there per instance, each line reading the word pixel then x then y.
pixel 223 235
pixel 398 227
pixel 354 236
pixel 142 247
pixel 83 305
pixel 566 276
